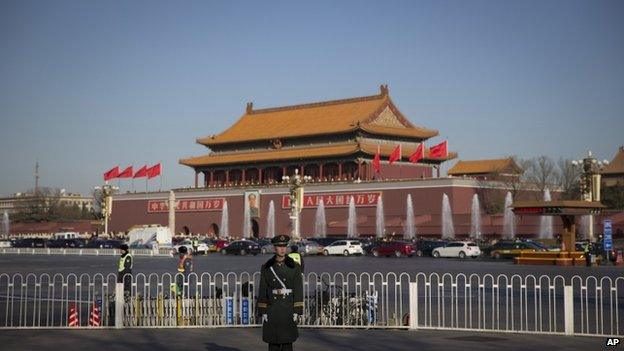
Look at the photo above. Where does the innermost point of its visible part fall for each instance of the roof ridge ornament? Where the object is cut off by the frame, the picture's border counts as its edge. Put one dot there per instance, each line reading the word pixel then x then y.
pixel 384 89
pixel 249 109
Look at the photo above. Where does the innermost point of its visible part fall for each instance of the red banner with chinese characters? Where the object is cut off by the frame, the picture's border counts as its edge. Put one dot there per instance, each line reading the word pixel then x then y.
pixel 335 200
pixel 186 205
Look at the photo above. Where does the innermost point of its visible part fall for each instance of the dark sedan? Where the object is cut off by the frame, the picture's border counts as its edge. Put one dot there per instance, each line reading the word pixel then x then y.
pixel 241 247
pixel 425 247
pixel 104 244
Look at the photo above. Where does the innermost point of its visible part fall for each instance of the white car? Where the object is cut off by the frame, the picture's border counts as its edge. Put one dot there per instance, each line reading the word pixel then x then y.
pixel 344 247
pixel 202 247
pixel 461 249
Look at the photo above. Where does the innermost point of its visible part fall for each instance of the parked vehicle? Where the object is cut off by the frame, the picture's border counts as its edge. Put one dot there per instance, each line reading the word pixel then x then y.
pixel 326 241
pixel 65 235
pixel 104 244
pixel 267 249
pixel 511 249
pixel 241 247
pixel 66 243
pixel 425 247
pixel 215 245
pixel 202 247
pixel 461 249
pixel 393 248
pixel 146 236
pixel 344 247
pixel 30 242
pixel 309 247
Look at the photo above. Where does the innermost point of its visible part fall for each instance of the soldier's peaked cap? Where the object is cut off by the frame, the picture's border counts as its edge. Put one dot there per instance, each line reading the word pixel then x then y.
pixel 280 240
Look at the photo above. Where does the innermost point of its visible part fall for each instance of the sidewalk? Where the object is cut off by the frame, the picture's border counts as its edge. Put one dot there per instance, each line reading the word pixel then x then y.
pixel 244 339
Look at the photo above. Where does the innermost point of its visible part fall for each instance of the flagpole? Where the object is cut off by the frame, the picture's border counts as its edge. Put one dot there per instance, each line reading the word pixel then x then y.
pixel 161 172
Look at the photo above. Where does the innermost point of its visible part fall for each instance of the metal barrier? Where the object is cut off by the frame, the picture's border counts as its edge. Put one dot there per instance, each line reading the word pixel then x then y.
pixel 81 251
pixel 525 304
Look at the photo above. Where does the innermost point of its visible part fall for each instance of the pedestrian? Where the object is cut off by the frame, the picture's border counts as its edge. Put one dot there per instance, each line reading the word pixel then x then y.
pixel 185 267
pixel 280 299
pixel 587 253
pixel 124 268
pixel 195 243
pixel 296 256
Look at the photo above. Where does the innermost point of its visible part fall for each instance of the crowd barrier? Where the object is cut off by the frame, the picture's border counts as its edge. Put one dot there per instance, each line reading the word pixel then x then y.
pixel 525 304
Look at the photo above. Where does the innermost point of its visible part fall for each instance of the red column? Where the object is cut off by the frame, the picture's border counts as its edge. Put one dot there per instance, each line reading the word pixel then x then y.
pixel 196 176
pixel 340 170
pixel 438 170
pixel 359 174
pixel 243 176
pixel 283 172
pixel 211 178
pixel 227 177
pixel 321 171
pixel 301 168
pixel 260 175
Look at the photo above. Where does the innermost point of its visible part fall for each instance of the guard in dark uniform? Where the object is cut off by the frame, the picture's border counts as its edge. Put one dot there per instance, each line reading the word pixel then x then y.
pixel 280 300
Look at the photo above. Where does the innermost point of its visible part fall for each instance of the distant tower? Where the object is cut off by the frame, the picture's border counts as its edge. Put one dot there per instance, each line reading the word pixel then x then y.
pixel 37 177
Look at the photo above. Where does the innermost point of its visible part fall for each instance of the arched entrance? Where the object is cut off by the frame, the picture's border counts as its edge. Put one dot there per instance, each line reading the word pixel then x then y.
pixel 255 228
pixel 215 229
pixel 187 230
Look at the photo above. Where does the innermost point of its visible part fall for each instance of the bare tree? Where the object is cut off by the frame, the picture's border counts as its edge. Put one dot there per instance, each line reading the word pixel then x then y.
pixel 542 172
pixel 568 179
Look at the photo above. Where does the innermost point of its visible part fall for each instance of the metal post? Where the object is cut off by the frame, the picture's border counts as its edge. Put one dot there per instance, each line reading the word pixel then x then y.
pixel 413 306
pixel 119 305
pixel 568 309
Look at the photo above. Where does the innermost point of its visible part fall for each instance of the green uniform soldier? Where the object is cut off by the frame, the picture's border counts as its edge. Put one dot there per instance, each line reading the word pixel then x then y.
pixel 280 299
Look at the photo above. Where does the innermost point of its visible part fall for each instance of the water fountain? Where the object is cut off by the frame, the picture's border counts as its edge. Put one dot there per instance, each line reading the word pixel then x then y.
pixel 546 222
pixel 409 232
pixel 352 223
pixel 475 218
pixel 247 221
pixel 225 227
pixel 509 219
pixel 380 225
pixel 271 221
pixel 6 224
pixel 320 227
pixel 448 231
pixel 583 229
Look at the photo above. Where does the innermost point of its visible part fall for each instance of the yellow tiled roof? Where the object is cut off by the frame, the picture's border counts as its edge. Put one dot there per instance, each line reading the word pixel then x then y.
pixel 617 164
pixel 322 118
pixel 330 150
pixel 504 165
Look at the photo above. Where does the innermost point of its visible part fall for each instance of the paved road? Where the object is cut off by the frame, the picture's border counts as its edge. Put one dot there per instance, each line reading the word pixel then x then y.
pixel 39 264
pixel 240 339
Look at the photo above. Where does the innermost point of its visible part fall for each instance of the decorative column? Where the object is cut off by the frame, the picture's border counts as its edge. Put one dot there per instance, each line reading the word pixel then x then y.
pixel 243 180
pixel 172 212
pixel 321 171
pixel 340 170
pixel 227 177
pixel 196 176
pixel 259 175
pixel 211 178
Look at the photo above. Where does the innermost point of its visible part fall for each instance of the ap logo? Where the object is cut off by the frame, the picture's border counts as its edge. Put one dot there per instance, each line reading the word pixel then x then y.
pixel 613 341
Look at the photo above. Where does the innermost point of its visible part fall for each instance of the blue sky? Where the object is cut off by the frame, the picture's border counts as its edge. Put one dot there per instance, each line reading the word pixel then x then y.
pixel 88 85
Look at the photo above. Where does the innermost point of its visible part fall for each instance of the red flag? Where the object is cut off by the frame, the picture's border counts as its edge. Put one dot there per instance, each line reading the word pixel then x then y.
pixel 419 154
pixel 377 161
pixel 439 151
pixel 141 173
pixel 126 173
pixel 153 171
pixel 395 155
pixel 111 174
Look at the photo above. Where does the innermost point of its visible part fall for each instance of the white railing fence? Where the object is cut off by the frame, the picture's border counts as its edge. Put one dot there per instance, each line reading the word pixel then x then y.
pixel 526 304
pixel 81 251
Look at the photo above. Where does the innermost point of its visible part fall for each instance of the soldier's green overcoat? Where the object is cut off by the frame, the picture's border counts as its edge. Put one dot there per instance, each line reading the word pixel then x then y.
pixel 280 327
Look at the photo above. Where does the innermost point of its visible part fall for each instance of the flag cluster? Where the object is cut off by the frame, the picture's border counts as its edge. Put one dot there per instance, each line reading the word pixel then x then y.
pixel 437 151
pixel 143 172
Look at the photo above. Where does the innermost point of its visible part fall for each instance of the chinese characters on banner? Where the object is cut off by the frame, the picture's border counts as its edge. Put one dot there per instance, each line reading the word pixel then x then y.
pixel 186 205
pixel 335 200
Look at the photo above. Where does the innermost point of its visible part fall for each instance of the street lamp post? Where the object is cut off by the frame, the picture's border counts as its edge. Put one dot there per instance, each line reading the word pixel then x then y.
pixel 107 203
pixel 295 190
pixel 590 183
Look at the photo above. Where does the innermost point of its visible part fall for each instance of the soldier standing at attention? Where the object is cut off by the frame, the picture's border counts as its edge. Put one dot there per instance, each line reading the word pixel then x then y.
pixel 280 300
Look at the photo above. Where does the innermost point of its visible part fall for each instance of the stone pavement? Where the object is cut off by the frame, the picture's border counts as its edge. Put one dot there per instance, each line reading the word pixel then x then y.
pixel 239 339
